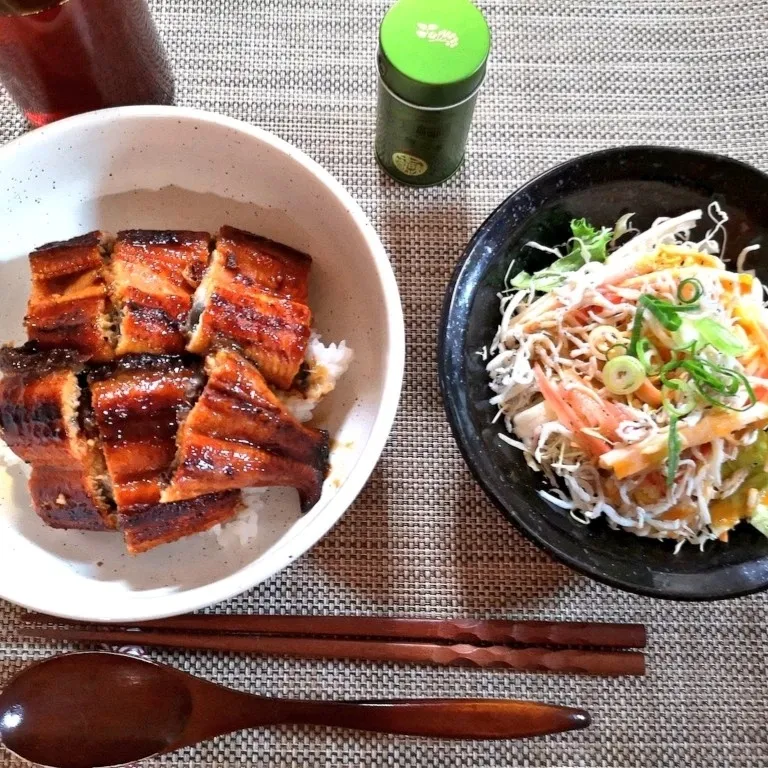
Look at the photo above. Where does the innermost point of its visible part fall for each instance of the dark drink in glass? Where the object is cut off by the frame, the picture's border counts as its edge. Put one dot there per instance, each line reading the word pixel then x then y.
pixel 63 57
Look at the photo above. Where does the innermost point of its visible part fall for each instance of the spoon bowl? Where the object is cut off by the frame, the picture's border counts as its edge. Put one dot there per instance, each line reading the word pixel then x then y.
pixel 47 712
pixel 99 709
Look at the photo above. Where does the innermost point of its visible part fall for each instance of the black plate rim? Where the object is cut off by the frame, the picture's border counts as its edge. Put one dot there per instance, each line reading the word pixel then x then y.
pixel 449 363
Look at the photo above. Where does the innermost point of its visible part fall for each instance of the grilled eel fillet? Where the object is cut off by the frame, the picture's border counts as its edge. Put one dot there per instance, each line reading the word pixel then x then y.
pixel 68 306
pixel 254 297
pixel 40 420
pixel 137 401
pixel 148 527
pixel 240 435
pixel 152 275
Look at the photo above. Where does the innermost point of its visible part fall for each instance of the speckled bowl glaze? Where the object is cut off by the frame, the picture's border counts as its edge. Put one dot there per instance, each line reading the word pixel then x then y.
pixel 651 182
pixel 169 168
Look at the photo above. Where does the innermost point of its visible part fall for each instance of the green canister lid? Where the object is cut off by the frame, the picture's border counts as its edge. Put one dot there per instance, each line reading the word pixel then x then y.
pixel 433 53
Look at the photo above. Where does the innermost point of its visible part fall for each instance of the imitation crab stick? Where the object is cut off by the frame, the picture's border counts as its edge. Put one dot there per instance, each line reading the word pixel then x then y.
pixel 568 416
pixel 652 451
pixel 592 411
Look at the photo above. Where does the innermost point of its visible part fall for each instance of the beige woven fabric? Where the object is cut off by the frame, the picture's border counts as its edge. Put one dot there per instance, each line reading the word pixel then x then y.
pixel 566 77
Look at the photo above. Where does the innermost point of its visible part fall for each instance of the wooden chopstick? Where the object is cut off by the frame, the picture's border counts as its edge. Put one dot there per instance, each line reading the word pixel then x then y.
pixel 575 661
pixel 494 631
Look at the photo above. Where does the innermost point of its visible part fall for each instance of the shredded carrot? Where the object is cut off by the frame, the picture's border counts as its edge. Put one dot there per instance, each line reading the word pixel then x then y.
pixel 650 394
pixel 652 451
pixel 745 281
pixel 726 513
pixel 678 512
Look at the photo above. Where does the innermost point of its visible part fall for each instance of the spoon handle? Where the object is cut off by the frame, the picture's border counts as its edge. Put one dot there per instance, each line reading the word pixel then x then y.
pixel 445 718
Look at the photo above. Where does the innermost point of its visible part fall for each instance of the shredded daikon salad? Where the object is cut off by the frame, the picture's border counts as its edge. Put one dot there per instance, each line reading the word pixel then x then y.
pixel 635 370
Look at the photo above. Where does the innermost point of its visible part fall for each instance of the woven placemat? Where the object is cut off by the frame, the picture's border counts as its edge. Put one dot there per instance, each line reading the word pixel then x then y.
pixel 566 77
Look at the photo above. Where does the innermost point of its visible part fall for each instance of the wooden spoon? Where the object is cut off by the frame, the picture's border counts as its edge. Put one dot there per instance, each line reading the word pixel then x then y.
pixel 87 710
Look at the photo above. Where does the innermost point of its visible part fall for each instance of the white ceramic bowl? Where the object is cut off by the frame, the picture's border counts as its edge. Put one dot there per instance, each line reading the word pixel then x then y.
pixel 173 168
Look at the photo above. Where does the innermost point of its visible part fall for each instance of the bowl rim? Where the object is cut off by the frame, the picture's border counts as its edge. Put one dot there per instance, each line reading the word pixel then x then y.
pixel 282 553
pixel 450 361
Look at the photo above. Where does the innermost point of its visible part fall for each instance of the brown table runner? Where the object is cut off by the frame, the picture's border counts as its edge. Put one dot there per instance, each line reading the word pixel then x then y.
pixel 565 78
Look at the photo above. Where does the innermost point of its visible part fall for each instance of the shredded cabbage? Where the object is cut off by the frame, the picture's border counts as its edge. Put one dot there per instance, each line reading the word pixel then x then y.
pixel 592 445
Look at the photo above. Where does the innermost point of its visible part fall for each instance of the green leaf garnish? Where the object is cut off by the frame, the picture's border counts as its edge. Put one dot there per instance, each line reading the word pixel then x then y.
pixel 750 457
pixel 586 244
pixel 587 238
pixel 760 519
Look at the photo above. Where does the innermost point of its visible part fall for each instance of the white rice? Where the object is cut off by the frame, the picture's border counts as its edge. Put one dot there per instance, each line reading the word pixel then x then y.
pixel 8 458
pixel 244 528
pixel 327 364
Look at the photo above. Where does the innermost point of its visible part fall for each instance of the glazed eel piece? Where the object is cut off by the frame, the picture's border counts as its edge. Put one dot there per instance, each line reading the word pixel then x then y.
pixel 43 420
pixel 68 306
pixel 151 276
pixel 137 402
pixel 107 299
pixel 254 298
pixel 240 435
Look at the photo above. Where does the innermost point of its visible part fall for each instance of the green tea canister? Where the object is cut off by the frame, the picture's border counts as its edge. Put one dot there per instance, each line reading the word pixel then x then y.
pixel 432 58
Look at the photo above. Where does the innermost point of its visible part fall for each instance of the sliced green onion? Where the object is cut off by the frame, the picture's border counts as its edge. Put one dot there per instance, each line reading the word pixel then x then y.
pixel 659 312
pixel 705 373
pixel 681 409
pixel 718 336
pixel 616 350
pixel 623 375
pixel 712 380
pixel 696 286
pixel 602 339
pixel 667 314
pixel 713 383
pixel 649 356
pixel 720 404
pixel 637 327
pixel 674 449
pixel 676 384
pixel 686 349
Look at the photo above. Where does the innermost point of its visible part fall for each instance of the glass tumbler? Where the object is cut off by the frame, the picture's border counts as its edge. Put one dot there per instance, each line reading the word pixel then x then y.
pixel 62 57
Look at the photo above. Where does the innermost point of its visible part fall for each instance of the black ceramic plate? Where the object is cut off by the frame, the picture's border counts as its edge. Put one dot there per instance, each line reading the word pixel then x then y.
pixel 652 182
